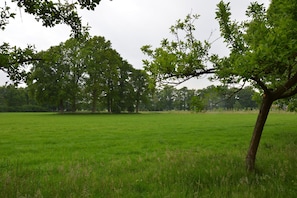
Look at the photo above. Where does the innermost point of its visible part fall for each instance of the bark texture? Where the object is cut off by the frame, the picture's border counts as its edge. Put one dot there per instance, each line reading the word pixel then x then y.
pixel 258 129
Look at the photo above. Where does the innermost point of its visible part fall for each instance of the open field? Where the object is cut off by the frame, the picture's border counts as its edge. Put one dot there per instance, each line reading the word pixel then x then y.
pixel 145 155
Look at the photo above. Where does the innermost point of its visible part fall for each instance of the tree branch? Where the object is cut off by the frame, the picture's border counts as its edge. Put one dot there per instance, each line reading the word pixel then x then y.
pixel 261 84
pixel 25 61
pixel 281 91
pixel 290 94
pixel 205 71
pixel 188 76
pixel 180 79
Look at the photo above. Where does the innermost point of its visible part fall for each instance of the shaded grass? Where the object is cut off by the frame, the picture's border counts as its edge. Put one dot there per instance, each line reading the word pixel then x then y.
pixel 145 155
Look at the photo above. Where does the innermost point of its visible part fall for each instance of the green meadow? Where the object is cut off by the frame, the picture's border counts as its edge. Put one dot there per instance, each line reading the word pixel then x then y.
pixel 145 155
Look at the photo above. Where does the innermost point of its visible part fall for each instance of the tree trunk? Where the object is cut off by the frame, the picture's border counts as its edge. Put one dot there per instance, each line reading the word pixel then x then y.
pixel 262 117
pixel 73 105
pixel 61 106
pixel 94 101
pixel 94 107
pixel 137 106
pixel 109 104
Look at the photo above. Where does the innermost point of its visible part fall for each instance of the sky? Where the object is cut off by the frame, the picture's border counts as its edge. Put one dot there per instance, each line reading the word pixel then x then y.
pixel 128 25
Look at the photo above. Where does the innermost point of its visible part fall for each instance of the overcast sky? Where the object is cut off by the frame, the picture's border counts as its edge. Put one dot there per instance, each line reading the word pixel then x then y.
pixel 128 24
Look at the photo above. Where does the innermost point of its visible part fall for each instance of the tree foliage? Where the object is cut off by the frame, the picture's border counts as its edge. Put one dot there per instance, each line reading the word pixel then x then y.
pixel 50 13
pixel 263 49
pixel 181 59
pixel 48 78
pixel 14 59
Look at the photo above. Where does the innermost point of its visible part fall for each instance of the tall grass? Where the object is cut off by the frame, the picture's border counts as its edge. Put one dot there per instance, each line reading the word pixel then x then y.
pixel 145 155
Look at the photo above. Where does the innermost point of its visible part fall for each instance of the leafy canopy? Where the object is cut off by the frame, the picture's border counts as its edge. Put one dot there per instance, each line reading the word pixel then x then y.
pixel 181 59
pixel 50 13
pixel 263 50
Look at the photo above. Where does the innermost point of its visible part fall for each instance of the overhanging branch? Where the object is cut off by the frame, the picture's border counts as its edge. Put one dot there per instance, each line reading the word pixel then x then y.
pixel 233 94
pixel 185 77
pixel 24 61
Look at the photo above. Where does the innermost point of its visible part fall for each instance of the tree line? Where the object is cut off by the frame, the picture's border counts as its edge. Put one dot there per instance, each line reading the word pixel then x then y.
pixel 168 98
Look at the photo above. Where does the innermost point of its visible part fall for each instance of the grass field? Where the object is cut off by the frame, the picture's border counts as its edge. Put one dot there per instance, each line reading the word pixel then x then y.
pixel 145 155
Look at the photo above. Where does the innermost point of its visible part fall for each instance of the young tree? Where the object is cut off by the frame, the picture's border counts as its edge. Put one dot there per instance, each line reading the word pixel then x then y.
pixel 196 104
pixel 263 52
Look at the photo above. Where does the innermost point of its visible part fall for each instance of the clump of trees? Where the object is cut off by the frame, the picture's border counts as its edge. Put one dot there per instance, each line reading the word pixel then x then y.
pixel 87 74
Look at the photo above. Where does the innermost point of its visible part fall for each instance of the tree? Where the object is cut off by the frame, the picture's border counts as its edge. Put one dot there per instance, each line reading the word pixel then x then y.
pixel 96 63
pixel 111 81
pixel 125 87
pixel 196 104
pixel 263 53
pixel 107 76
pixel 50 13
pixel 48 78
pixel 140 86
pixel 72 60
pixel 58 77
